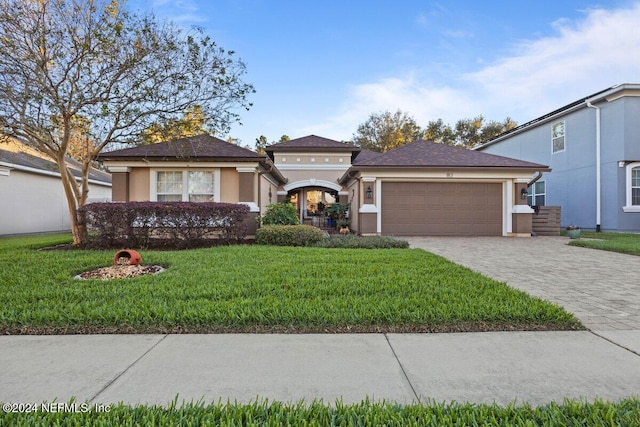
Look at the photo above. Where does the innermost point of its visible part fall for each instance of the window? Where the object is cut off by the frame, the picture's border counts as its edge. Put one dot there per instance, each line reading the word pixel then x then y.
pixel 177 186
pixel 557 137
pixel 633 188
pixel 537 194
pixel 169 186
pixel 201 186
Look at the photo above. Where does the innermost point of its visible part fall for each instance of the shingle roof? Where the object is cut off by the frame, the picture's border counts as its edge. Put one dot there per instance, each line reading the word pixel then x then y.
pixel 429 154
pixel 195 148
pixel 365 155
pixel 312 143
pixel 22 155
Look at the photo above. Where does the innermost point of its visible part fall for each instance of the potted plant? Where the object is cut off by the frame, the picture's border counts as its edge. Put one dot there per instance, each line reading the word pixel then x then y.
pixel 573 231
pixel 343 224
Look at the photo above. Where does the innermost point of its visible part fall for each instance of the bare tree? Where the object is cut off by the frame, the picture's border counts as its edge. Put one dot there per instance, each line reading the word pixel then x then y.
pixel 67 61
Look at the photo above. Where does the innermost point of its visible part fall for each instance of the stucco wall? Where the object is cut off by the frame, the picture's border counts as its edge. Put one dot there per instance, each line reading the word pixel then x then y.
pixel 229 184
pixel 34 203
pixel 139 185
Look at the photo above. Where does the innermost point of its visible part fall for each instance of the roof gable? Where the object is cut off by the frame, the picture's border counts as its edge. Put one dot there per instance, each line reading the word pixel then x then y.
pixel 430 154
pixel 312 143
pixel 195 148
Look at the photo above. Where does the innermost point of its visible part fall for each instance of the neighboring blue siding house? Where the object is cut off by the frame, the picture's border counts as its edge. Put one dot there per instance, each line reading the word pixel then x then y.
pixel 593 149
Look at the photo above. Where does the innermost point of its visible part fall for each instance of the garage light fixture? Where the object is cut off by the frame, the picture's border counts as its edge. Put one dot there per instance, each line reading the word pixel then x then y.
pixel 524 193
pixel 369 194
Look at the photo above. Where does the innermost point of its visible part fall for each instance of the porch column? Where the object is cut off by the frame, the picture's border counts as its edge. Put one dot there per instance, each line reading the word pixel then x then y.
pixel 521 216
pixel 247 196
pixel 119 183
pixel 369 212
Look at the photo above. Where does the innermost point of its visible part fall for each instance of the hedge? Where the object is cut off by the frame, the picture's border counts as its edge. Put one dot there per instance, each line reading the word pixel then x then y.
pixel 362 242
pixel 164 224
pixel 289 235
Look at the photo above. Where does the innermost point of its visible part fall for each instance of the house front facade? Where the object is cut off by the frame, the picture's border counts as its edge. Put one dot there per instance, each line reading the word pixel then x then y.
pixel 593 147
pixel 419 189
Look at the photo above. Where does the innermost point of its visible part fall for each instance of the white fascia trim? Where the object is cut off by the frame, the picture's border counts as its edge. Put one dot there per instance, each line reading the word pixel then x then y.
pixel 522 209
pixel 119 169
pixel 312 183
pixel 306 167
pixel 245 170
pixel 369 179
pixel 282 193
pixel 252 206
pixel 368 208
pixel 180 165
pixel 4 171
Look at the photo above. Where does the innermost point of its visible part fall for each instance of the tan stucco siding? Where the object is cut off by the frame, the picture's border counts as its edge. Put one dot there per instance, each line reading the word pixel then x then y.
pixel 289 159
pixel 229 185
pixel 265 185
pixel 303 175
pixel 354 203
pixel 139 184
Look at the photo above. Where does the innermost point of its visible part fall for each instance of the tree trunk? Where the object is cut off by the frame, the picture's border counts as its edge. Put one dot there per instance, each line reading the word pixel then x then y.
pixel 71 190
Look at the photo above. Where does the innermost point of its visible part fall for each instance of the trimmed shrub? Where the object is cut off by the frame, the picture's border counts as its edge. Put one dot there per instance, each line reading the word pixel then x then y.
pixel 289 235
pixel 281 214
pixel 164 224
pixel 362 242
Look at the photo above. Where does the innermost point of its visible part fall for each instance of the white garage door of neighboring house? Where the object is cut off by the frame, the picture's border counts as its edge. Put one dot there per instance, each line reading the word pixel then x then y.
pixel 441 209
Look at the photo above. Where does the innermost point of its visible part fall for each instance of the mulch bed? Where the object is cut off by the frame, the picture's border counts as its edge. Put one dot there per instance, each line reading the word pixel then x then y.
pixel 120 272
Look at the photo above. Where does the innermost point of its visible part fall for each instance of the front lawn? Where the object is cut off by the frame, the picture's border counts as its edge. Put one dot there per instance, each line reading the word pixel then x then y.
pixel 625 243
pixel 253 288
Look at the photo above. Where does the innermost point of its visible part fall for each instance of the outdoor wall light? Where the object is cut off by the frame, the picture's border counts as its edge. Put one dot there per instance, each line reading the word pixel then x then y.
pixel 369 193
pixel 523 194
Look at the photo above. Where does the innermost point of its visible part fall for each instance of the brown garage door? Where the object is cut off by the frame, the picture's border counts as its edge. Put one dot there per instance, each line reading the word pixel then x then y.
pixel 441 209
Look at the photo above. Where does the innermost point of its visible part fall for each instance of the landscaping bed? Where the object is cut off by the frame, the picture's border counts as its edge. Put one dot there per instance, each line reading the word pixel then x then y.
pixel 569 413
pixel 263 289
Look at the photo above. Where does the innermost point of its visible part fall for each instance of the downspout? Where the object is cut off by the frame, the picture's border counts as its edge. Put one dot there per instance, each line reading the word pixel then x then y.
pixel 598 184
pixel 533 181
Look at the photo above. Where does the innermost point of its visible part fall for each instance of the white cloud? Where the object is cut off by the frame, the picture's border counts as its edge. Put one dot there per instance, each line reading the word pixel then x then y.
pixel 406 93
pixel 582 57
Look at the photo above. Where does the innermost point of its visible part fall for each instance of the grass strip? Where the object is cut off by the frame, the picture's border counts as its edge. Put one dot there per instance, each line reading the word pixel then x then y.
pixel 252 288
pixel 626 243
pixel 263 413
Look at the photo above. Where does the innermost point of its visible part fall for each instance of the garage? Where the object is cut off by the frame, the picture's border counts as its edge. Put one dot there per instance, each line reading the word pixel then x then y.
pixel 442 209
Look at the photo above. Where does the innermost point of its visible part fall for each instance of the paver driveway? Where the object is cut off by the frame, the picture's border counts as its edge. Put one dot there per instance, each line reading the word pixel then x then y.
pixel 601 288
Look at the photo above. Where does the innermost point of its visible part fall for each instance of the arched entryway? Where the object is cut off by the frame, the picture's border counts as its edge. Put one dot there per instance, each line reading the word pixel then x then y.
pixel 312 198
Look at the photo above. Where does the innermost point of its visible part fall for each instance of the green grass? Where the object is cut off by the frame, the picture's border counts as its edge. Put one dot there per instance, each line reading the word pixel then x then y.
pixel 262 413
pixel 625 243
pixel 253 288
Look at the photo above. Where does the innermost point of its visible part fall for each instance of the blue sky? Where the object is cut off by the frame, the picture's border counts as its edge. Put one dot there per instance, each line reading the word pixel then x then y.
pixel 322 67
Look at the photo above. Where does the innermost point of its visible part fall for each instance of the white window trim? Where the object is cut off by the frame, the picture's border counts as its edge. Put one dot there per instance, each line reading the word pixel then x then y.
pixel 153 181
pixel 534 194
pixel 564 145
pixel 629 207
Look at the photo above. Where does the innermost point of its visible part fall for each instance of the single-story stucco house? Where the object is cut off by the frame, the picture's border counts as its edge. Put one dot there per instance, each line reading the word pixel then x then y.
pixel 418 189
pixel 33 200
pixel 593 147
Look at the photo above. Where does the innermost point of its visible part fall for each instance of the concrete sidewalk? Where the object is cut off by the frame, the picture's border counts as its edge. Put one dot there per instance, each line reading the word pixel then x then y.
pixel 535 367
